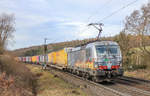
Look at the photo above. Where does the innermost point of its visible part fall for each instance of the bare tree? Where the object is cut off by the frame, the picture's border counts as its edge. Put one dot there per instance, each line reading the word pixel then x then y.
pixel 138 24
pixel 7 28
pixel 124 42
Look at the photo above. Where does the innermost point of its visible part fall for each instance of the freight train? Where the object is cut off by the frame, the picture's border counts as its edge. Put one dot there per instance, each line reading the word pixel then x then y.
pixel 98 61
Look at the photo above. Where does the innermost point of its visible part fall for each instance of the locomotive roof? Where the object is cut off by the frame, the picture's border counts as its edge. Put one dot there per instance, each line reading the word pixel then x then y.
pixel 103 43
pixel 93 43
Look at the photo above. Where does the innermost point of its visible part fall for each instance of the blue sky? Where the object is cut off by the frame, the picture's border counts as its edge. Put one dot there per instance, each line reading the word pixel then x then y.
pixel 64 20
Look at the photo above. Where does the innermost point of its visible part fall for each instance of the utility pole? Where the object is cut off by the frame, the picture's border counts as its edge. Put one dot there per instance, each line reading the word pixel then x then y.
pixel 98 26
pixel 45 50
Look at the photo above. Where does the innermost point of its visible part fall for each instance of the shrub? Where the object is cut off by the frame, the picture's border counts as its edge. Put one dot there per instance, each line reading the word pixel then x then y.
pixel 24 80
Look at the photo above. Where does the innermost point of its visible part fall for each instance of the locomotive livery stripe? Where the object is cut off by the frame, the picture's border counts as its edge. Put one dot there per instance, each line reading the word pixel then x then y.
pixel 115 66
pixel 112 67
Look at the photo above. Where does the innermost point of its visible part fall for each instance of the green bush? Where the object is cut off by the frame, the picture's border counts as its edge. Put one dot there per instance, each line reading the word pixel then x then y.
pixel 135 67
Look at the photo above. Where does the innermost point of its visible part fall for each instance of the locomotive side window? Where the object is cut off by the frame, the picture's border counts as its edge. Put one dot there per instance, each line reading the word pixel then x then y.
pixel 88 53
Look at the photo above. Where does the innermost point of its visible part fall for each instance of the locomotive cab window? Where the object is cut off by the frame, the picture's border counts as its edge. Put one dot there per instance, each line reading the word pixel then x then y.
pixel 113 50
pixel 101 49
pixel 106 49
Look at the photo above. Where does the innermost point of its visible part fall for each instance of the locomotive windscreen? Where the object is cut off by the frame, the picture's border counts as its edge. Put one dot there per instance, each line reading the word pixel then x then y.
pixel 106 49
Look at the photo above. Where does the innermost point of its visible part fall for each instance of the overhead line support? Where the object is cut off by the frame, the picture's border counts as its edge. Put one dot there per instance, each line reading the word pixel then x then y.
pixel 98 26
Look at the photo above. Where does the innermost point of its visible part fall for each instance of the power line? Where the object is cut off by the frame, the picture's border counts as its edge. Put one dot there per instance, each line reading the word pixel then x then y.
pixel 115 13
pixel 89 18
pixel 112 12
pixel 119 10
pixel 98 10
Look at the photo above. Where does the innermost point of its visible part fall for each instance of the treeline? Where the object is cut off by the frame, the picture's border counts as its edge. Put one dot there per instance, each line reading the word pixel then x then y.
pixel 134 57
pixel 135 39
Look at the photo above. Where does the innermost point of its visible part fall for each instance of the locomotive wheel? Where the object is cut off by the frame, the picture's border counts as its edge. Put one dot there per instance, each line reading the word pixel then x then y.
pixel 75 72
pixel 78 73
pixel 94 79
pixel 83 74
pixel 71 71
pixel 87 76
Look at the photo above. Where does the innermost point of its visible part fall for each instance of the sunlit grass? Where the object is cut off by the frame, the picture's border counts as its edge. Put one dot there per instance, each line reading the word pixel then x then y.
pixel 143 74
pixel 49 85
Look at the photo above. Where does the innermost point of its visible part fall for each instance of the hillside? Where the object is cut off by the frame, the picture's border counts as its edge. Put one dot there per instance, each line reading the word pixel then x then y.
pixel 36 50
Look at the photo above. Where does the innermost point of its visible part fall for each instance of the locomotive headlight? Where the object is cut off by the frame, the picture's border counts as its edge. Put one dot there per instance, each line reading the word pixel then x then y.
pixel 120 63
pixel 96 66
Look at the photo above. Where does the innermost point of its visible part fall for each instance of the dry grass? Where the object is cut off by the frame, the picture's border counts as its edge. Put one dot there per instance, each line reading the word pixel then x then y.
pixel 15 78
pixel 49 85
pixel 143 74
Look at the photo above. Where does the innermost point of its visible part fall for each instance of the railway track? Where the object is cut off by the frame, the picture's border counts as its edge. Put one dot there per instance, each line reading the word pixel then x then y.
pixel 136 80
pixel 101 86
pixel 130 90
pixel 88 86
pixel 139 85
pixel 121 87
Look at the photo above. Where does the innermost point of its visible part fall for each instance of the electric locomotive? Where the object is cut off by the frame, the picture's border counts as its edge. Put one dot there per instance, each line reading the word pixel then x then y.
pixel 100 61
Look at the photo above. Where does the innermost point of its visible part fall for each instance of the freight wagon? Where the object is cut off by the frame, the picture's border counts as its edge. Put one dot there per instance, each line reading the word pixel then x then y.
pixel 58 59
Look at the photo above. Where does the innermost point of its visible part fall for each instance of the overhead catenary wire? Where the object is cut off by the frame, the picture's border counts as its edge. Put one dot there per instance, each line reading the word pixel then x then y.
pixel 89 18
pixel 106 17
pixel 113 13
pixel 97 11
pixel 105 4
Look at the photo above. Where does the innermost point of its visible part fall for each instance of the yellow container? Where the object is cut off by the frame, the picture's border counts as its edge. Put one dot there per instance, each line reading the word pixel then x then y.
pixel 54 57
pixel 34 59
pixel 50 58
pixel 61 58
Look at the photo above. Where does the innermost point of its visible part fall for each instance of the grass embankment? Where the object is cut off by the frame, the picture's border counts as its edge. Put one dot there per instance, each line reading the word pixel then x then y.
pixel 142 74
pixel 15 78
pixel 50 85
